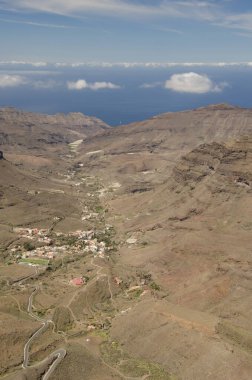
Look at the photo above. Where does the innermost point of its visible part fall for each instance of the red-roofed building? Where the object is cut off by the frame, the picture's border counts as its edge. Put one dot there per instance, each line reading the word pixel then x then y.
pixel 77 281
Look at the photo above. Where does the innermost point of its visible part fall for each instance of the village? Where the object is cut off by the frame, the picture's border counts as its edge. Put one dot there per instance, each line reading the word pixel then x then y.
pixel 41 245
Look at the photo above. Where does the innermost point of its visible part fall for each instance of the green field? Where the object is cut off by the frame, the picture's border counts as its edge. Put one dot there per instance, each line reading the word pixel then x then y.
pixel 35 261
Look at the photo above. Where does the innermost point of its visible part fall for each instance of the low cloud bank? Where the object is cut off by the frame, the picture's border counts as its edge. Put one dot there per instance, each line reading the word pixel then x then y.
pixel 190 82
pixel 7 80
pixel 126 65
pixel 82 84
pixel 11 81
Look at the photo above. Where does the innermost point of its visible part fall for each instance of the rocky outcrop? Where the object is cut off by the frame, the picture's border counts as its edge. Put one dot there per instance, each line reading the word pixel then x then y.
pixel 230 163
pixel 212 177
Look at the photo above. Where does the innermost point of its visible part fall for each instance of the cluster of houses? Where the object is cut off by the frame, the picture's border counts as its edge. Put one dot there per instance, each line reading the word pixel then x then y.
pixel 87 215
pixel 97 248
pixel 50 247
pixel 39 235
pixel 90 242
pixel 81 235
pixel 46 252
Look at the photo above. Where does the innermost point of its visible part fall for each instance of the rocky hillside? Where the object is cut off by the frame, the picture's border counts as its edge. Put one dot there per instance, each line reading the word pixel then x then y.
pixel 177 130
pixel 30 133
pixel 215 170
pixel 154 145
pixel 193 234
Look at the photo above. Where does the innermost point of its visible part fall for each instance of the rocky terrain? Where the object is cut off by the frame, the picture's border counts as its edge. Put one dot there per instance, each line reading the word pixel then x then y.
pixel 34 139
pixel 158 142
pixel 127 249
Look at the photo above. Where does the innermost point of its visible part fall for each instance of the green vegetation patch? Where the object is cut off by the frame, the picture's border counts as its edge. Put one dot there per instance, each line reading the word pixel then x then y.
pixel 35 261
pixel 66 240
pixel 114 355
pixel 236 334
pixel 99 209
pixel 41 313
pixel 62 319
pixel 107 237
pixel 137 367
pixel 101 334
pixel 136 293
pixel 155 286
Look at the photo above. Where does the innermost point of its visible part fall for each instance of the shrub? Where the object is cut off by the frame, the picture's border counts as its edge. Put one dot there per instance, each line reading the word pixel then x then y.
pixel 155 286
pixel 28 246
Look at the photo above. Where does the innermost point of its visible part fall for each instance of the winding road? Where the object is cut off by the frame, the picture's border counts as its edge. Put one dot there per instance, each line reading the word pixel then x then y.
pixel 58 355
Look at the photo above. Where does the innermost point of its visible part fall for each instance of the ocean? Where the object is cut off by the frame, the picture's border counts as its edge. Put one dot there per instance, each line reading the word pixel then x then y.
pixel 44 88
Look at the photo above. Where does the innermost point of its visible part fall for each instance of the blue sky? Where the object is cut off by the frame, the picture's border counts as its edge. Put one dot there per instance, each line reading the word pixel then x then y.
pixel 126 30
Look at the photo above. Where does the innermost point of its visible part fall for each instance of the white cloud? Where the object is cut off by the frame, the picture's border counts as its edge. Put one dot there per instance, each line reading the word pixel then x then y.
pixel 193 83
pixel 24 63
pixel 39 24
pixel 103 85
pixel 211 11
pixel 7 80
pixel 241 21
pixel 110 7
pixel 38 64
pixel 129 65
pixel 82 84
pixel 126 65
pixel 199 9
pixel 203 10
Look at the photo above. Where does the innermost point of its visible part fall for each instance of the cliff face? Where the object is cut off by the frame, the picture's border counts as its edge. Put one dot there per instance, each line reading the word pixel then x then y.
pixel 231 163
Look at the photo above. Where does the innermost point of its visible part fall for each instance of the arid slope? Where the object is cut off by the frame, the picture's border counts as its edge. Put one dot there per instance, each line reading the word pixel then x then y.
pixel 193 235
pixel 171 299
pixel 146 151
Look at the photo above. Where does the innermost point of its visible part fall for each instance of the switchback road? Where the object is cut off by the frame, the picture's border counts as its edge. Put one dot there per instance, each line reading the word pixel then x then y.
pixel 56 355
